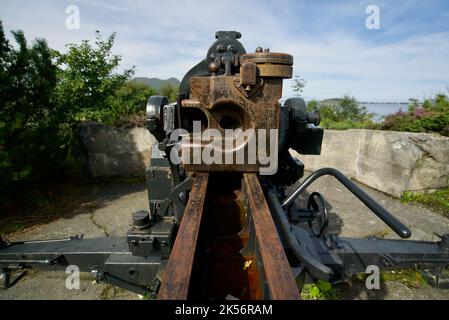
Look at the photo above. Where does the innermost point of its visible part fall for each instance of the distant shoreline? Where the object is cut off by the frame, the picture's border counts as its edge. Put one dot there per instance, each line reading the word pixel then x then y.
pixel 370 102
pixel 359 101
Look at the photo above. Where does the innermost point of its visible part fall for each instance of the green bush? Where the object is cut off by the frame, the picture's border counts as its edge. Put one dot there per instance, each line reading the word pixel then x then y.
pixel 342 114
pixel 169 91
pixel 44 95
pixel 33 138
pixel 321 290
pixel 127 106
pixel 91 88
pixel 431 116
pixel 87 76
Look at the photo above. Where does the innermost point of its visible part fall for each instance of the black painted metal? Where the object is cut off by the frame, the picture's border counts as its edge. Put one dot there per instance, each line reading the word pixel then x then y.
pixel 105 258
pixel 135 261
pixel 302 250
pixel 222 52
pixel 335 259
pixel 396 225
pixel 387 254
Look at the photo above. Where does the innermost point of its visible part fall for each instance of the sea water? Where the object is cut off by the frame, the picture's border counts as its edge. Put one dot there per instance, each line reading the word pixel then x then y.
pixel 384 109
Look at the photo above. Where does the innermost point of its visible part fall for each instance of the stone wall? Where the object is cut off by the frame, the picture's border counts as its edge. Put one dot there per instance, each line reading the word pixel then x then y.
pixel 112 152
pixel 392 162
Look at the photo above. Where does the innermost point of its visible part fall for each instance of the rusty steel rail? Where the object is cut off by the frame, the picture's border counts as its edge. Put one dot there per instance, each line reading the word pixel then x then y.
pixel 277 271
pixel 180 264
pixel 229 268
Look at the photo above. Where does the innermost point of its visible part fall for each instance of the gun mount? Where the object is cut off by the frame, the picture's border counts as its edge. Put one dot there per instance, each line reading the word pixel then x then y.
pixel 221 229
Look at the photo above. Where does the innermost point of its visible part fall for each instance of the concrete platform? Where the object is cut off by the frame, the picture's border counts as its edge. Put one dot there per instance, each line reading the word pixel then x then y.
pixel 109 214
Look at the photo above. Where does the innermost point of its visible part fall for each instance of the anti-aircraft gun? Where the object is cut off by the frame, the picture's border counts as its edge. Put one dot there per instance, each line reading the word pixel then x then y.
pixel 223 223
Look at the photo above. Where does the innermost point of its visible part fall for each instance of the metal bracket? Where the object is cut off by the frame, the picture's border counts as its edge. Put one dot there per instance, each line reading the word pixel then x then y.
pixel 176 198
pixel 8 281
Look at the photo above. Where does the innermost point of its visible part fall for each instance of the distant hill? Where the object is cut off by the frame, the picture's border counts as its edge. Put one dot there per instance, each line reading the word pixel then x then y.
pixel 331 101
pixel 157 83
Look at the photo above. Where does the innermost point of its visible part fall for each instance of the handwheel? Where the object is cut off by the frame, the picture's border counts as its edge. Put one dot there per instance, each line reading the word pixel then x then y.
pixel 320 223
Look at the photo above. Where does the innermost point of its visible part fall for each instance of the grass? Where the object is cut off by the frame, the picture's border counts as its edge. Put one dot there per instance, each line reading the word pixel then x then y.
pixel 409 277
pixel 11 227
pixel 379 234
pixel 321 290
pixel 438 200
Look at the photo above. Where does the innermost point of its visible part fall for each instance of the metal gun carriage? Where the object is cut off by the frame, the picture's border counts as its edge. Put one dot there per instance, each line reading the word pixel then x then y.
pixel 221 229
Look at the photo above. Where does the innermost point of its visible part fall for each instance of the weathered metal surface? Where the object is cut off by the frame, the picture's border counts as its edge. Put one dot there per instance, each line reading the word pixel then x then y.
pixel 175 285
pixel 261 109
pixel 281 283
pixel 227 107
pixel 274 71
pixel 270 64
pixel 231 264
pixel 248 74
pixel 267 57
pixel 229 273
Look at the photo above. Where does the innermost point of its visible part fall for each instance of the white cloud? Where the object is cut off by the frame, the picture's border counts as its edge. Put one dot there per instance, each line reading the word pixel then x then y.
pixel 411 67
pixel 166 38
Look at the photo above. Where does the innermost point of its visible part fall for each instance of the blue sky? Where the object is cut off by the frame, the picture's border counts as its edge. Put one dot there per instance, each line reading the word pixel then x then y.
pixel 333 50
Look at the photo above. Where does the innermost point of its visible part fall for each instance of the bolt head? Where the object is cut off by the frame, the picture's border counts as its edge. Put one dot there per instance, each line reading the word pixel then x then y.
pixel 213 67
pixel 141 219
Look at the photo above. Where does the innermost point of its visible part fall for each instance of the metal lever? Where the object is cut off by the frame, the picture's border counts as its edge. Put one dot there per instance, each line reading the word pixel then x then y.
pixel 396 225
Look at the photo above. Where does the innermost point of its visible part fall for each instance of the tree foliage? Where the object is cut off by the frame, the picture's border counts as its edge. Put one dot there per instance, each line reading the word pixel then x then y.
pixel 87 76
pixel 127 107
pixel 298 86
pixel 169 91
pixel 31 127
pixel 44 94
pixel 341 114
pixel 430 116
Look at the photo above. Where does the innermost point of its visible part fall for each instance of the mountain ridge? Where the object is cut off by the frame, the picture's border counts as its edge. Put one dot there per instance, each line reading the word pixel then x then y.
pixel 156 82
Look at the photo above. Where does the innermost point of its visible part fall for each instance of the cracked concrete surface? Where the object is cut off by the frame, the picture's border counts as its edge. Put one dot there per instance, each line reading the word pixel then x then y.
pixel 351 218
pixel 109 214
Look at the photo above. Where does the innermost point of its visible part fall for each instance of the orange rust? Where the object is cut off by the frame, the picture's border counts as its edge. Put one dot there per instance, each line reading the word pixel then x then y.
pixel 175 285
pixel 221 100
pixel 226 269
pixel 281 283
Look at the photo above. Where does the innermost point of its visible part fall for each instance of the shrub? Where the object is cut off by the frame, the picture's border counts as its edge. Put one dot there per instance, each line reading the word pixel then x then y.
pixel 169 91
pixel 45 94
pixel 87 78
pixel 33 138
pixel 431 116
pixel 127 106
pixel 342 114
